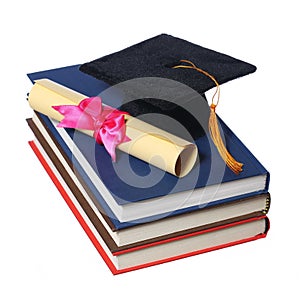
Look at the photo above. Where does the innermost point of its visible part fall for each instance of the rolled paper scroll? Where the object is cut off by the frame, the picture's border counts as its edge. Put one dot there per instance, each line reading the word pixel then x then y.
pixel 148 143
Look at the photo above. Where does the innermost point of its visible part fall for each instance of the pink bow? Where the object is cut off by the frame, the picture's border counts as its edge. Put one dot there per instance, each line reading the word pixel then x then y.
pixel 107 123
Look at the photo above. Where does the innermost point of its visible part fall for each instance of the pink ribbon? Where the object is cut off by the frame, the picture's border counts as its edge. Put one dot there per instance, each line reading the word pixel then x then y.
pixel 107 123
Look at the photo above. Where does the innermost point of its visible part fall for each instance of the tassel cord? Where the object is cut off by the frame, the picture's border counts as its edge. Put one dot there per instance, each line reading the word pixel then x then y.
pixel 213 126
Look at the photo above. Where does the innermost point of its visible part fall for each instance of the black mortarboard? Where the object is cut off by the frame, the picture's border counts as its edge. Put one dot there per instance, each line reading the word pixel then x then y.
pixel 156 57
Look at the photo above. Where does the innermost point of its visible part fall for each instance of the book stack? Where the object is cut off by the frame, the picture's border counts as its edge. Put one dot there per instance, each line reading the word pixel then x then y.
pixel 138 215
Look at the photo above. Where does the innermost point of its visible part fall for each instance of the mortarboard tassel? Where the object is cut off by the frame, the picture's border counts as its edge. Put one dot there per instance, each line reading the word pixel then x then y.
pixel 213 126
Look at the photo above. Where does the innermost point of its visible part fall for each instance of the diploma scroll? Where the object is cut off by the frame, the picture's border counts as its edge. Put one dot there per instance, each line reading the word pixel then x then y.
pixel 148 143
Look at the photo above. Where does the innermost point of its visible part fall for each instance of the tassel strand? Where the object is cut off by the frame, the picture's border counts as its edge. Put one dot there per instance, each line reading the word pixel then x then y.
pixel 214 130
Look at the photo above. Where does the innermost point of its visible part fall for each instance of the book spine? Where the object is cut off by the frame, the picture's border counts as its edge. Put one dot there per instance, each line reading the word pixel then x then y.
pixel 268 204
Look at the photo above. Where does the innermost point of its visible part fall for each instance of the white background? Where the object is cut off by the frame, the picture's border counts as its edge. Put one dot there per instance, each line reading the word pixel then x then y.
pixel 44 253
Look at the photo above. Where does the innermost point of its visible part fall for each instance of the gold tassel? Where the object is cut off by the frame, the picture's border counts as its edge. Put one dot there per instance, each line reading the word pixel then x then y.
pixel 214 130
pixel 213 126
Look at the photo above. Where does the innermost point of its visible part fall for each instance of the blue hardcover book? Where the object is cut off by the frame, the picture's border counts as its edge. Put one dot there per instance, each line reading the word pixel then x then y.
pixel 130 191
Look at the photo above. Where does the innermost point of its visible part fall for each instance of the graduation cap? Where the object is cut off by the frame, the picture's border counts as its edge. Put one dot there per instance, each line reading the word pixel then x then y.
pixel 170 58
